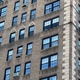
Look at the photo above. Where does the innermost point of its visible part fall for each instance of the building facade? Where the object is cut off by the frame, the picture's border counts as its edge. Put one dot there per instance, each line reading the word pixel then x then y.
pixel 39 40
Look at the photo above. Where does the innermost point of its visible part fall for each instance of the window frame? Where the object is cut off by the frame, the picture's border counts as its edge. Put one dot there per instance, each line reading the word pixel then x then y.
pixel 32 2
pixel 18 50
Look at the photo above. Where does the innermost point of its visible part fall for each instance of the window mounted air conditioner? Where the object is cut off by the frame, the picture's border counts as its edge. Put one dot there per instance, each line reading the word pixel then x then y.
pixel 25 5
pixel 19 54
pixel 16 75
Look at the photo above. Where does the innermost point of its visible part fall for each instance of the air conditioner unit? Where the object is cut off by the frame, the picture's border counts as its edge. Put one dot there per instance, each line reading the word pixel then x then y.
pixel 24 5
pixel 16 75
pixel 19 54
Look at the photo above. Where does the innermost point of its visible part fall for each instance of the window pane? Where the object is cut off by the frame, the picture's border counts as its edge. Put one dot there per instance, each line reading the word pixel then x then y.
pixel 17 6
pixel 3 11
pixel 31 30
pixel 25 1
pixel 18 68
pixel 1 26
pixel 24 16
pixel 53 78
pixel 7 71
pixel 33 1
pixel 20 49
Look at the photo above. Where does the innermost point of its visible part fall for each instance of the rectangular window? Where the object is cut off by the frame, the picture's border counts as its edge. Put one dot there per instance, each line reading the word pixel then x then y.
pixel 50 42
pixel 31 31
pixel 79 43
pixel 12 37
pixel 51 23
pixel 16 6
pixel 27 68
pixel 79 64
pixel 20 50
pixel 3 11
pixel 79 24
pixel 7 74
pixel 29 48
pixel 2 26
pixel 50 78
pixel 50 61
pixel 14 21
pixel 33 1
pixel 9 55
pixel 17 68
pixel 52 7
pixel 24 16
pixel 21 34
pixel 25 2
pixel 0 40
pixel 33 14
pixel 79 9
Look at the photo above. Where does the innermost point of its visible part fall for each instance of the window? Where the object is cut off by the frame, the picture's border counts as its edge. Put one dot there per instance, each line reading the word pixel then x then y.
pixel 50 61
pixel 20 50
pixel 79 9
pixel 17 69
pixel 51 23
pixel 2 26
pixel 12 37
pixel 79 64
pixel 9 56
pixel 52 7
pixel 7 74
pixel 50 78
pixel 3 11
pixel 24 16
pixel 0 40
pixel 33 1
pixel 50 42
pixel 16 7
pixel 79 43
pixel 25 2
pixel 79 24
pixel 15 20
pixel 31 31
pixel 33 14
pixel 27 68
pixel 29 48
pixel 21 34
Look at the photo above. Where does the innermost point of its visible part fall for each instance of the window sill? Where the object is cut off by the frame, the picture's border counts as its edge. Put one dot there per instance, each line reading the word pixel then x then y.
pixel 15 11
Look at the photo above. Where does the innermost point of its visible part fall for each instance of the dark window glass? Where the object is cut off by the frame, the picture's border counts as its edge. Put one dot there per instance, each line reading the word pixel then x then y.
pixel 79 64
pixel 24 16
pixel 33 14
pixel 16 6
pixel 15 20
pixel 50 78
pixel 12 37
pixel 2 26
pixel 79 43
pixel 29 48
pixel 25 2
pixel 27 68
pixel 21 34
pixel 52 7
pixel 7 74
pixel 10 54
pixel 51 23
pixel 33 1
pixel 17 68
pixel 31 31
pixel 50 61
pixel 3 11
pixel 0 40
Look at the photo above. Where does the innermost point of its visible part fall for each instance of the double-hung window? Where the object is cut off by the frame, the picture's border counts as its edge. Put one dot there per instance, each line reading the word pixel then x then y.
pixel 54 6
pixel 31 31
pixel 0 40
pixel 21 34
pixel 78 64
pixel 50 61
pixel 29 48
pixel 3 11
pixel 50 42
pixel 27 68
pixel 51 23
pixel 16 6
pixel 34 1
pixel 24 16
pixel 9 55
pixel 14 21
pixel 12 37
pixel 2 25
pixel 17 69
pixel 54 77
pixel 25 2
pixel 20 50
pixel 7 74
pixel 33 14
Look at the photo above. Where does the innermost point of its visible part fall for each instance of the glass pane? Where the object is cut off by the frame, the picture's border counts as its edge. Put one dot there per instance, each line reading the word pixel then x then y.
pixel 0 39
pixel 27 71
pixel 55 20
pixel 10 52
pixel 7 77
pixel 53 58
pixel 56 3
pixel 13 35
pixel 29 51
pixel 54 38
pixel 32 28
pixel 53 78
pixel 45 60
pixel 53 63
pixel 45 41
pixel 28 65
pixel 18 68
pixel 29 46
pixel 7 71
pixel 44 66
pixel 22 32
pixel 47 23
pixel 2 24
